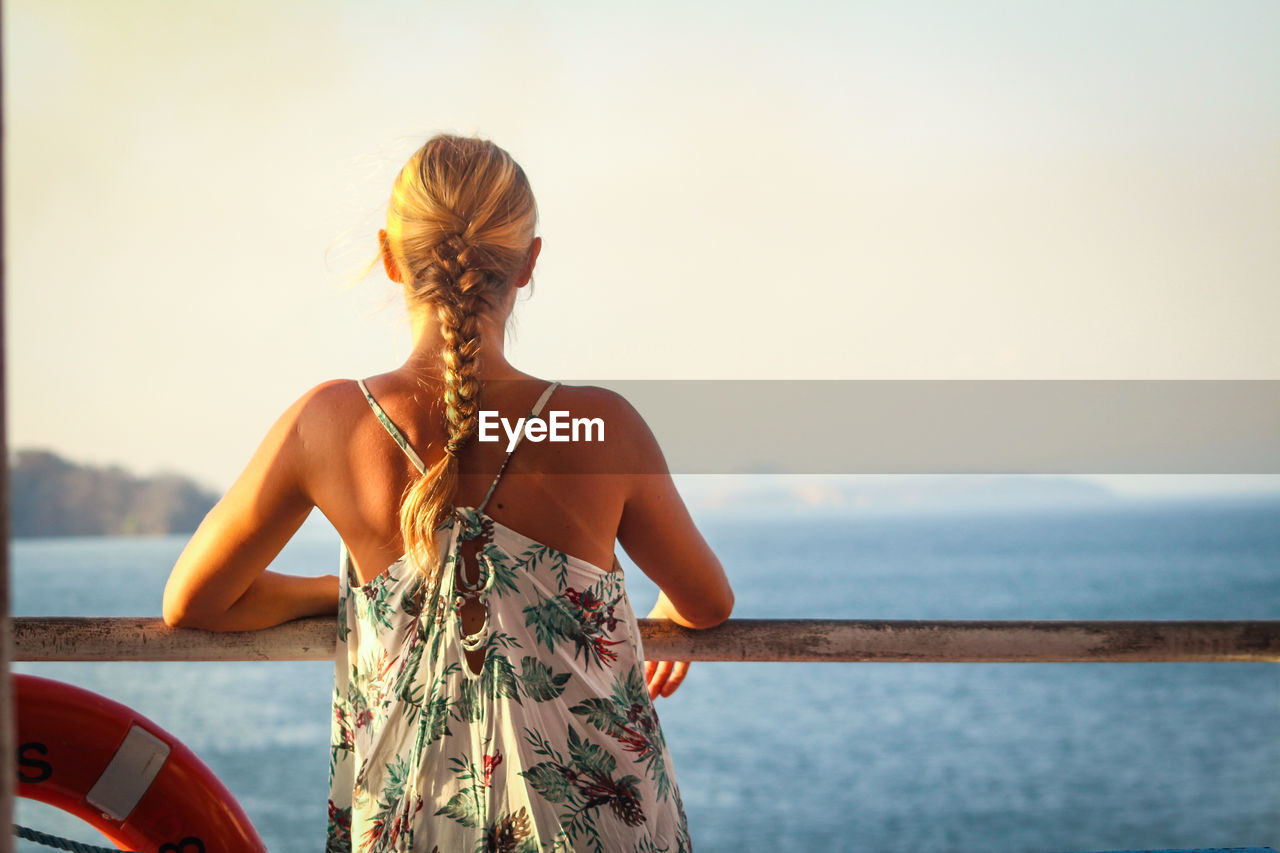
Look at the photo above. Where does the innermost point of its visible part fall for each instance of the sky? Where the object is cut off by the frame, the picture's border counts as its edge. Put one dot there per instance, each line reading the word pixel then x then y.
pixel 878 190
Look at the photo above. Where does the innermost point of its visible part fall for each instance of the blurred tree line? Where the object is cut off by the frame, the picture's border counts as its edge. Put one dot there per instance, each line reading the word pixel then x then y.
pixel 51 496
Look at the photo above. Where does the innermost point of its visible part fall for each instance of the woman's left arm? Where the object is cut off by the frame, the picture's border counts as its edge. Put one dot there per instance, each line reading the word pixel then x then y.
pixel 220 583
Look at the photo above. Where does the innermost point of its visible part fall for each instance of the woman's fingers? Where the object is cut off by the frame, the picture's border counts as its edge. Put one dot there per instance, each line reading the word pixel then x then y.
pixel 678 672
pixel 658 680
pixel 664 676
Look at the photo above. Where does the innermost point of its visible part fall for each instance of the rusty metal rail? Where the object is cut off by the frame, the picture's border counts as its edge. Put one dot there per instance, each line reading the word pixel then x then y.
pixel 889 641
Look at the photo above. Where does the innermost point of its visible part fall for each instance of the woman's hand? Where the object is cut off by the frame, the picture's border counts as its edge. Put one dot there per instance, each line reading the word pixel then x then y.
pixel 663 676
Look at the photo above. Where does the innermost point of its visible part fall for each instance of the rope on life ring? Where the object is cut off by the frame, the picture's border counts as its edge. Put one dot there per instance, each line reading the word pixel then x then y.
pixel 58 842
pixel 122 774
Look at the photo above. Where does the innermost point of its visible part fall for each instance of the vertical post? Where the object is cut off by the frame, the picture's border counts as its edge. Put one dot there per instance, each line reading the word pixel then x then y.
pixel 7 762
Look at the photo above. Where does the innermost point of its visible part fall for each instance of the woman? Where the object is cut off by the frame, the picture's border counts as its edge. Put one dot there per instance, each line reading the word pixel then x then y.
pixel 489 693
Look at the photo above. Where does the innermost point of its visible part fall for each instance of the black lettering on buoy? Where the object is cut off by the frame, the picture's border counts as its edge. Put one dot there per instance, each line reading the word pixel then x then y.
pixel 43 769
pixel 190 844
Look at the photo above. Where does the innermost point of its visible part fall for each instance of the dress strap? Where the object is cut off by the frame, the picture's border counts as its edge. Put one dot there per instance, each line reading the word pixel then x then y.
pixel 391 428
pixel 537 410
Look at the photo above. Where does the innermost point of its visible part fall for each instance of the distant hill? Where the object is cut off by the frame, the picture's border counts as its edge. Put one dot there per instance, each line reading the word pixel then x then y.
pixel 51 496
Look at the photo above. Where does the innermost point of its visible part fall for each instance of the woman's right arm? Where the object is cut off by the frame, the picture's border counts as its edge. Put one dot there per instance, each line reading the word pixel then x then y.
pixel 660 536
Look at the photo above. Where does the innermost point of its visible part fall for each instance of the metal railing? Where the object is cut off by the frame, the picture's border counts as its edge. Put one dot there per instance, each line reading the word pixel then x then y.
pixel 857 640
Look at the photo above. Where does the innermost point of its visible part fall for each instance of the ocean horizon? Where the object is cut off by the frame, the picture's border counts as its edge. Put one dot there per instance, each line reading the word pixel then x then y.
pixel 1032 758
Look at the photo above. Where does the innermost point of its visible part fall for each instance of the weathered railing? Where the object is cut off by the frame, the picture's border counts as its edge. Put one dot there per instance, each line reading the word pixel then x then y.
pixel 149 639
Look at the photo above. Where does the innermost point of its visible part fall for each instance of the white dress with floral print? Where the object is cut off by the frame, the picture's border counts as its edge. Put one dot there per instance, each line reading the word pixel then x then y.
pixel 553 745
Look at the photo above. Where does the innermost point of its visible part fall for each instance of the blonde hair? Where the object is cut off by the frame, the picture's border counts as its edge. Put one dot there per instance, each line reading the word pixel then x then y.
pixel 460 227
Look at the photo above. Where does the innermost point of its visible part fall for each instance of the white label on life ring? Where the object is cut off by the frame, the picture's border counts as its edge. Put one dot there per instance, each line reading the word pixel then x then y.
pixel 129 774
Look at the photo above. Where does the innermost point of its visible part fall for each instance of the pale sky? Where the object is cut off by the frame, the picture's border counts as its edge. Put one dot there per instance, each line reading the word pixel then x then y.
pixel 736 190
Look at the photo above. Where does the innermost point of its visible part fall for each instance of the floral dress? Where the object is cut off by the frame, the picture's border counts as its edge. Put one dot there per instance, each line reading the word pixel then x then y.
pixel 553 745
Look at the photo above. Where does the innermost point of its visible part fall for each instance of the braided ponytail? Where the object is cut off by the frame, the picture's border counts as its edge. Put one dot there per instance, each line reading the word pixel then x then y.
pixel 460 225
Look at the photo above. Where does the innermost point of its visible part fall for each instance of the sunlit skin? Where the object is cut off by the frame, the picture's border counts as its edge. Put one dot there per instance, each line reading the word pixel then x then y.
pixel 327 451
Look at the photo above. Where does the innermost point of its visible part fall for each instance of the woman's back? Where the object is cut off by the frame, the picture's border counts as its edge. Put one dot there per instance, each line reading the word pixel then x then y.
pixel 569 495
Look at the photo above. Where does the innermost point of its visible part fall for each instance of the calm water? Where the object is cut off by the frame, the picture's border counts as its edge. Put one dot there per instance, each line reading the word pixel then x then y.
pixel 808 757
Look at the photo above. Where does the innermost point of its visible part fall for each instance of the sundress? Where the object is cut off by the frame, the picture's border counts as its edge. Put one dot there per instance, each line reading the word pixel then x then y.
pixel 553 746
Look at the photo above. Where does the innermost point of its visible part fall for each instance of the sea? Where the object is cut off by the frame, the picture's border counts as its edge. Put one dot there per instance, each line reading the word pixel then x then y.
pixel 884 757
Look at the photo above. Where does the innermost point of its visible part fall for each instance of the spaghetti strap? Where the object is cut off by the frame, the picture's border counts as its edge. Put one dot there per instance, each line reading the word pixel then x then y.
pixel 399 438
pixel 537 410
pixel 391 429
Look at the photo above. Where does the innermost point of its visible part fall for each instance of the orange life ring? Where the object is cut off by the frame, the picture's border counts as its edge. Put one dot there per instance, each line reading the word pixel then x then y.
pixel 118 771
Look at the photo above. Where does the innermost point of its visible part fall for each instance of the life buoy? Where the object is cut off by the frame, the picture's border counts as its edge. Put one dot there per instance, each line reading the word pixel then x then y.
pixel 118 771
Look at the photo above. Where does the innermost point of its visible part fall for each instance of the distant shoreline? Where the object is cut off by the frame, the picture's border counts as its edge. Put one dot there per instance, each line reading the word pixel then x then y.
pixel 50 496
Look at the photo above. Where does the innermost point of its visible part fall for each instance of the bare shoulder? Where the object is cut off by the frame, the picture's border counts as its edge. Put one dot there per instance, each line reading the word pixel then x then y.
pixel 327 399
pixel 332 392
pixel 592 401
pixel 628 441
pixel 321 408
pixel 594 397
